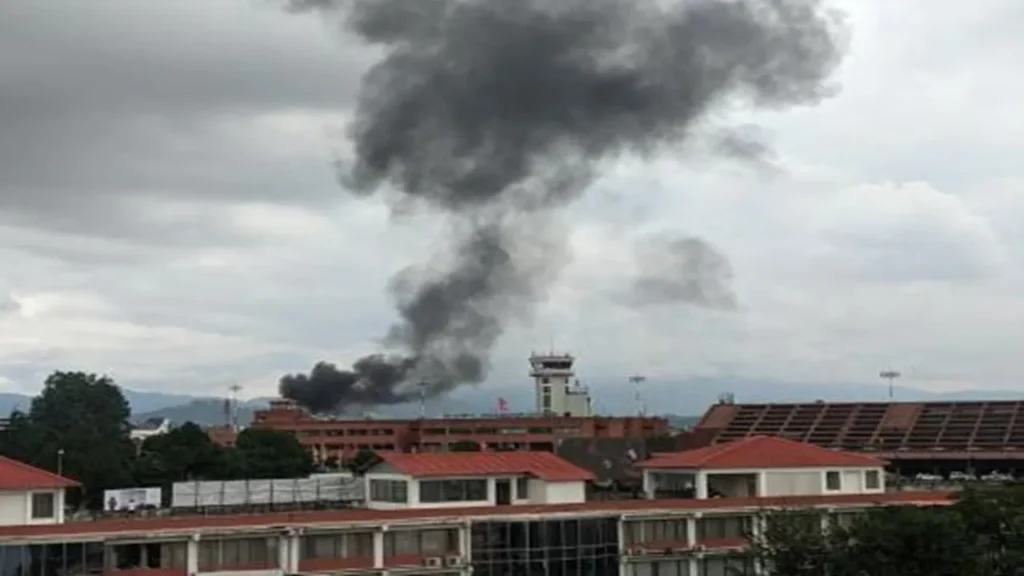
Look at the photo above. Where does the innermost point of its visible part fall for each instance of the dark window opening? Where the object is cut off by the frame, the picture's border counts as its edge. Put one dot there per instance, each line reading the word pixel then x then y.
pixel 453 490
pixel 522 488
pixel 43 505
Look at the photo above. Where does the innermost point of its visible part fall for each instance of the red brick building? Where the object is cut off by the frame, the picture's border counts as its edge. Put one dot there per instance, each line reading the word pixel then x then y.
pixel 333 438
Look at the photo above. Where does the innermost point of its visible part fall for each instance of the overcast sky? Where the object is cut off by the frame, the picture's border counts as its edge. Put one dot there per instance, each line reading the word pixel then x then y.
pixel 168 213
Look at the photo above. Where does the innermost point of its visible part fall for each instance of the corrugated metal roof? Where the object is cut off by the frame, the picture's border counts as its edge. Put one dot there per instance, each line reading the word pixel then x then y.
pixel 542 465
pixel 16 475
pixel 761 452
pixel 187 525
pixel 881 426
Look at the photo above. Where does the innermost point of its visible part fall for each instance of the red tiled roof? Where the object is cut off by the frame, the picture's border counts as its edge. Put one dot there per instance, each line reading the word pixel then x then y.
pixel 543 465
pixel 761 452
pixel 187 525
pixel 16 475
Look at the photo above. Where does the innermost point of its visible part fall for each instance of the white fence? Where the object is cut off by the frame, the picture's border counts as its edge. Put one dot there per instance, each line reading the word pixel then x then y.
pixel 283 491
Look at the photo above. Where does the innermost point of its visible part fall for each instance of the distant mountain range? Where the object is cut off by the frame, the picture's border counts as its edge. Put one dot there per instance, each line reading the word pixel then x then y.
pixel 687 398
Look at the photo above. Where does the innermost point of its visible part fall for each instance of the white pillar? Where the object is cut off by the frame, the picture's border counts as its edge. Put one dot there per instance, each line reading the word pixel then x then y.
pixel 691 529
pixel 288 552
pixel 466 541
pixel 378 547
pixel 192 554
pixel 762 484
pixel 701 485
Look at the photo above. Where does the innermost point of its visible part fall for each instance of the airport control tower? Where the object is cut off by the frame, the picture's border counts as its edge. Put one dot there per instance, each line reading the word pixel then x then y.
pixel 558 392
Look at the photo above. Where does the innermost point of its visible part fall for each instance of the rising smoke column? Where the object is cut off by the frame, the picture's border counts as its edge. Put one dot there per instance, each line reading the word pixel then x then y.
pixel 497 113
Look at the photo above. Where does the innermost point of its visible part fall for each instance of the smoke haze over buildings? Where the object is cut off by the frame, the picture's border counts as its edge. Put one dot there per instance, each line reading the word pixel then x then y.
pixel 489 111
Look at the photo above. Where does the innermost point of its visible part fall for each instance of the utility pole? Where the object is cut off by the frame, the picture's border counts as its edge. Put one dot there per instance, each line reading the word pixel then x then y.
pixel 890 375
pixel 637 380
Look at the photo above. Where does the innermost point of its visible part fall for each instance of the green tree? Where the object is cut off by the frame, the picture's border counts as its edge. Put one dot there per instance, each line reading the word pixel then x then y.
pixel 184 453
pixel 78 426
pixel 19 439
pixel 792 543
pixel 890 541
pixel 272 454
pixel 362 461
pixel 906 541
pixel 995 517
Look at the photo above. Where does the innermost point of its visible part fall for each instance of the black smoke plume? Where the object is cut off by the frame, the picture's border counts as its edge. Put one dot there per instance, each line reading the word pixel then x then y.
pixel 487 110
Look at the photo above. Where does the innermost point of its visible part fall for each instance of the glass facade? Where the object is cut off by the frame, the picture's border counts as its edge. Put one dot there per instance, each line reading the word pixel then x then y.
pixel 65 559
pixel 570 547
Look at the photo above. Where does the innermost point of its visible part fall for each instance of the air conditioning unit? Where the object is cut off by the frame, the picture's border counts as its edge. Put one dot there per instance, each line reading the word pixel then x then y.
pixel 433 562
pixel 453 561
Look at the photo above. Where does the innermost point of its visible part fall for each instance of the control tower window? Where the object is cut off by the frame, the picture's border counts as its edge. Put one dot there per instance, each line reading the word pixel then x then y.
pixel 545 380
pixel 546 402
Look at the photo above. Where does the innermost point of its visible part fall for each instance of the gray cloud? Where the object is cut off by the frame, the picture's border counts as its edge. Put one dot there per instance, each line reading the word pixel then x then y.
pixel 113 104
pixel 682 270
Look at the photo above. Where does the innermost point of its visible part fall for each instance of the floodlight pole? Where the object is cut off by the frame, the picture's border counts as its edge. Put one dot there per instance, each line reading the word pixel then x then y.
pixel 637 380
pixel 891 376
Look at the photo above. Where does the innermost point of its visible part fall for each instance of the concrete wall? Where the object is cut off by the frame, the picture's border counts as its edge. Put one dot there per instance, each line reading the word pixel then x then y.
pixel 565 492
pixel 852 481
pixel 16 508
pixel 793 483
pixel 538 491
pixel 13 509
pixel 556 385
pixel 811 481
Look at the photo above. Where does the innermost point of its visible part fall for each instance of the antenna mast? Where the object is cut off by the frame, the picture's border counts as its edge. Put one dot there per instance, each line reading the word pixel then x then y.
pixel 637 380
pixel 423 399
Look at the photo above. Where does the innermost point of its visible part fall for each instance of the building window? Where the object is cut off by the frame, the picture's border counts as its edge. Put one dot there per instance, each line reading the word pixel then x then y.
pixel 872 481
pixel 833 481
pixel 421 543
pixel 453 490
pixel 249 553
pixel 522 488
pixel 351 545
pixel 395 491
pixel 723 527
pixel 43 505
pixel 546 401
pixel 169 555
